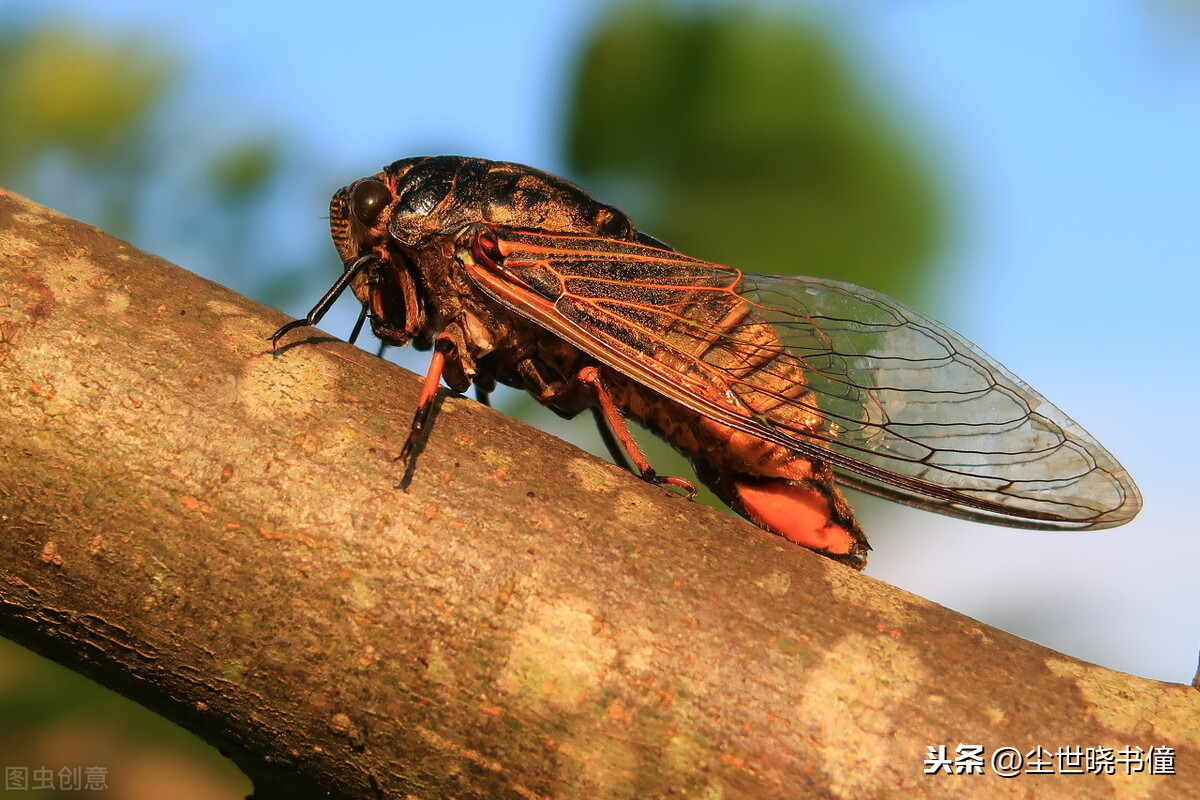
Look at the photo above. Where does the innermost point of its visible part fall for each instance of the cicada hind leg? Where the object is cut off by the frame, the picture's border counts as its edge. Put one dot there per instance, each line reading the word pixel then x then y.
pixel 614 425
pixel 617 438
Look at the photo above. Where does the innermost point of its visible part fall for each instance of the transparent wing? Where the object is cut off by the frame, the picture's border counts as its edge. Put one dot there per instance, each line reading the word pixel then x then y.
pixel 899 404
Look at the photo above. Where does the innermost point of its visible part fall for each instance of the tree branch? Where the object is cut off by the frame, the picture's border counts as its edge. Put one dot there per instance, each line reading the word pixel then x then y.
pixel 213 531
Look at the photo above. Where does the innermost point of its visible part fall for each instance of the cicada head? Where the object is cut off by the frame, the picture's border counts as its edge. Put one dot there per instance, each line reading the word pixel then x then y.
pixel 385 277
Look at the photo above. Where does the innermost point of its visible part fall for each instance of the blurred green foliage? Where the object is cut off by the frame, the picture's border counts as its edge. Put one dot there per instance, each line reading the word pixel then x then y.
pixel 78 116
pixel 90 125
pixel 744 137
pixel 75 94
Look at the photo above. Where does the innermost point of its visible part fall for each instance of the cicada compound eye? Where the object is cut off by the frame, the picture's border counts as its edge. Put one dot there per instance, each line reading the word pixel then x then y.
pixel 368 200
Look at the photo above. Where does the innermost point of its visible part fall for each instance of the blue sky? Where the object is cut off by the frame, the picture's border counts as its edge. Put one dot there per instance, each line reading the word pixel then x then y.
pixel 1065 135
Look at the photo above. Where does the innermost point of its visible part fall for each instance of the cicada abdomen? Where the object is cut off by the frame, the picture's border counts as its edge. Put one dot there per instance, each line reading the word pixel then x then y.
pixel 679 326
pixel 775 388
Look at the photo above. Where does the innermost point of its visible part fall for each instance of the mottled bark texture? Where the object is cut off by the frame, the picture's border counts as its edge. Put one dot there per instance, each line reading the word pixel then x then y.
pixel 212 530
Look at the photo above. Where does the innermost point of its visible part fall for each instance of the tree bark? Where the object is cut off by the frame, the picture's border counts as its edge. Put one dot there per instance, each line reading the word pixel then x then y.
pixel 213 530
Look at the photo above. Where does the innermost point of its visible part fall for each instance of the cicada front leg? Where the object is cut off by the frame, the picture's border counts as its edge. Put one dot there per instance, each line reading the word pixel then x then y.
pixel 442 347
pixel 452 361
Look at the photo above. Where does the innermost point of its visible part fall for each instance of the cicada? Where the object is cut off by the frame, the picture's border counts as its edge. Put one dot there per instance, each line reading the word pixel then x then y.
pixel 776 389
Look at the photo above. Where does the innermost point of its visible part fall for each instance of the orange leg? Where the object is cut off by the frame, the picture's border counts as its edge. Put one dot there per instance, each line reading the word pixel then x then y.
pixel 590 377
pixel 428 395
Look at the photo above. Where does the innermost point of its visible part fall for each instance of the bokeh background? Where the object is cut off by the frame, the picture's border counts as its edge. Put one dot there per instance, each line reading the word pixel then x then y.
pixel 1027 172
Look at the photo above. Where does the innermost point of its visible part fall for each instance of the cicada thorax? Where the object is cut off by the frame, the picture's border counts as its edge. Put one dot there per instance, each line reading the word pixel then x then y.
pixel 436 196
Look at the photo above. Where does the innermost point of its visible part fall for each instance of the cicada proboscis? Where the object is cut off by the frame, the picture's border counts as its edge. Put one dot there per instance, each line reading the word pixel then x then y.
pixel 777 389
